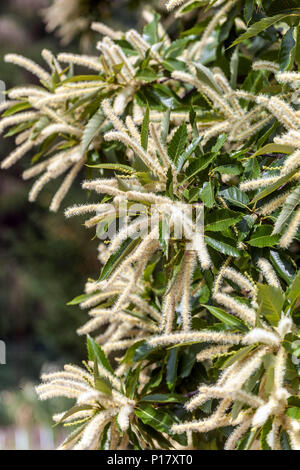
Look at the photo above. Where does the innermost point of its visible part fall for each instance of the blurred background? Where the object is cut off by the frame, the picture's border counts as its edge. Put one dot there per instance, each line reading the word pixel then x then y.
pixel 44 259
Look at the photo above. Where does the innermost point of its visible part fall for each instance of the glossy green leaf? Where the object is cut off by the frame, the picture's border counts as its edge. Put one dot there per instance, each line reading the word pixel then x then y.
pixel 287 210
pixel 284 269
pixel 178 143
pixel 273 148
pixel 95 352
pixel 162 398
pixel 273 187
pixel 263 237
pixel 235 197
pixel 222 244
pixel 294 290
pixel 220 219
pixel 287 50
pixel 116 258
pixel 226 318
pixel 156 418
pixel 259 26
pixel 270 300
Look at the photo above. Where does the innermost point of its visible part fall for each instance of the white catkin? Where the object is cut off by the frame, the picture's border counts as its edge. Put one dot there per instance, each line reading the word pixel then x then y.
pixel 284 326
pixel 106 30
pixel 86 61
pixel 189 267
pixel 124 417
pixel 268 272
pixel 17 154
pixel 259 335
pixel 28 65
pixel 290 233
pixel 244 312
pixel 61 193
pixel 174 3
pixel 237 434
pixel 92 430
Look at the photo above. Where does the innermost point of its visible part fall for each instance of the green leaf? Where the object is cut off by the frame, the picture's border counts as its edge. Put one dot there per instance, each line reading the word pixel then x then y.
pixel 270 300
pixel 116 258
pixel 294 400
pixel 104 436
pixel 75 434
pixel 248 10
pixel 134 439
pixel 287 50
pixel 192 5
pixel 162 398
pixel 92 129
pixel 293 412
pixel 172 365
pixel 95 353
pixel 83 78
pixel 156 418
pixel 259 26
pixel 131 352
pixel 234 66
pixel 113 166
pixel 178 143
pixel 187 153
pixel 235 196
pixel 273 148
pixel 226 318
pixel 206 77
pixel 16 108
pixel 199 164
pixel 219 144
pixel 288 208
pixel 273 187
pixel 150 32
pixel 240 354
pixel 145 130
pixel 284 441
pixel 165 125
pixel 146 74
pixel 188 360
pixel 264 433
pixel 294 290
pixel 262 237
pixel 143 351
pixel 73 410
pixel 103 385
pixel 20 128
pixel 221 219
pixel 80 298
pixel 282 266
pixel 132 381
pixel 173 64
pixel 207 194
pixel 222 244
pixel 230 169
pixel 244 227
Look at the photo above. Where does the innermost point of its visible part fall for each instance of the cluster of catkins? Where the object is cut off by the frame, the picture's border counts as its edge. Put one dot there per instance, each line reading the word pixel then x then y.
pixel 55 117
